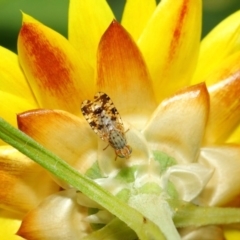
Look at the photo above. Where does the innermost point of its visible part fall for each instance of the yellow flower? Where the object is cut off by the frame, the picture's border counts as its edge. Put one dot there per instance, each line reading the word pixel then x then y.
pixel 185 129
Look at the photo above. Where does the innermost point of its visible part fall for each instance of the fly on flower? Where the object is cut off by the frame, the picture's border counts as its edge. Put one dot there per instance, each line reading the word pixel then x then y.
pixel 105 121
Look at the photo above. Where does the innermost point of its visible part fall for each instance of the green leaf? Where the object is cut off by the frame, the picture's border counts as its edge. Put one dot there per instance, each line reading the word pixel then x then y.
pixel 164 160
pixel 127 174
pixel 94 172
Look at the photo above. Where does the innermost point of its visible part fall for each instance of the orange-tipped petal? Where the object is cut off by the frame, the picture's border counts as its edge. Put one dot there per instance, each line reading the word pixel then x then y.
pixel 10 223
pixel 222 187
pixel 67 136
pixel 123 75
pixel 177 126
pixel 12 79
pixel 220 43
pixel 54 71
pixel 170 44
pixel 58 217
pixel 136 16
pixel 86 23
pixel 224 114
pixel 20 189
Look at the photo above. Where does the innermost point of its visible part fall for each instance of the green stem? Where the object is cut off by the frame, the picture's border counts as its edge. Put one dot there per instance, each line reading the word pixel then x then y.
pixel 144 228
pixel 187 214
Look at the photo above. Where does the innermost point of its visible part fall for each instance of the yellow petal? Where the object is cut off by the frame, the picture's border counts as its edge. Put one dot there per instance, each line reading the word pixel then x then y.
pixel 53 69
pixel 58 217
pixel 231 234
pixel 222 188
pixel 220 43
pixel 86 23
pixel 67 136
pixel 170 44
pixel 20 189
pixel 224 114
pixel 12 78
pixel 11 105
pixel 235 136
pixel 123 75
pixel 9 223
pixel 136 16
pixel 177 126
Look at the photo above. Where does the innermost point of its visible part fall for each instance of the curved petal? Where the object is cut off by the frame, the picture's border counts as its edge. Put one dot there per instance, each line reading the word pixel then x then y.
pixel 54 71
pixel 196 233
pixel 20 189
pixel 67 136
pixel 123 75
pixel 220 43
pixel 10 223
pixel 177 126
pixel 222 188
pixel 224 114
pixel 57 217
pixel 170 44
pixel 136 16
pixel 86 24
pixel 11 105
pixel 188 179
pixel 12 78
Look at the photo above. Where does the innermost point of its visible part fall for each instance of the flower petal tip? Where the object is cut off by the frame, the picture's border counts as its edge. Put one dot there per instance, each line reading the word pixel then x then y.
pixel 122 72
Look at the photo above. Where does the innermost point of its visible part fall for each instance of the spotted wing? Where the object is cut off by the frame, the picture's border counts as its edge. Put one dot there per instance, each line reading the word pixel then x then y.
pixel 87 109
pixel 101 115
pixel 110 110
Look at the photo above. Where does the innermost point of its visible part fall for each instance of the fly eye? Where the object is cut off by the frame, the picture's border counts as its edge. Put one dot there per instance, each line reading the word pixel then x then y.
pixel 125 152
pixel 129 149
pixel 120 155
